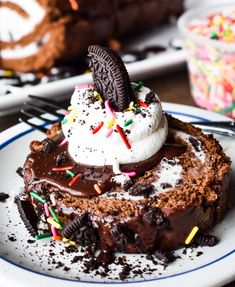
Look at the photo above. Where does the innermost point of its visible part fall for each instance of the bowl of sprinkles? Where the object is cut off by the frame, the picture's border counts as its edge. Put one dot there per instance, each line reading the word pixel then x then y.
pixel 210 43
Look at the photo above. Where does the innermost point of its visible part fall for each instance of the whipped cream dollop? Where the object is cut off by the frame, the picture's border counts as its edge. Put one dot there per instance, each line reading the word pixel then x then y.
pixel 91 128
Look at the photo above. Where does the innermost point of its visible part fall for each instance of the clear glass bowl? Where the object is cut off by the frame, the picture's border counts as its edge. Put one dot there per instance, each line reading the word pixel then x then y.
pixel 211 64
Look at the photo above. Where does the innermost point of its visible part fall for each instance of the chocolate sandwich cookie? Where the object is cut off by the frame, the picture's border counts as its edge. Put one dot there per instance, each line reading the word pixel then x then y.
pixel 28 215
pixel 81 230
pixel 110 77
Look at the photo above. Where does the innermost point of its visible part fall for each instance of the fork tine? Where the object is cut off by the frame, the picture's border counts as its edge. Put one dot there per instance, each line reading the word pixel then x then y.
pixel 43 110
pixel 40 128
pixel 27 113
pixel 51 103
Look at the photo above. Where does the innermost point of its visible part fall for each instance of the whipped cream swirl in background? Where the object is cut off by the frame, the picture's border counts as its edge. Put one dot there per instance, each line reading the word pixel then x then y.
pixel 146 134
pixel 14 26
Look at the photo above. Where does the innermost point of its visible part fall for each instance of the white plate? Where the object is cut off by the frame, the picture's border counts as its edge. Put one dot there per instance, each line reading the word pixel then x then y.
pixel 23 264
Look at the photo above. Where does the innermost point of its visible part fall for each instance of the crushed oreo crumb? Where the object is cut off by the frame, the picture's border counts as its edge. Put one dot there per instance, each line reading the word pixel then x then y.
pixel 151 98
pixel 162 257
pixel 48 145
pixel 61 158
pixel 166 185
pixel 19 171
pixel 3 196
pixel 125 272
pixel 195 144
pixel 123 235
pixel 143 189
pixel 154 216
pixel 127 184
pixel 12 238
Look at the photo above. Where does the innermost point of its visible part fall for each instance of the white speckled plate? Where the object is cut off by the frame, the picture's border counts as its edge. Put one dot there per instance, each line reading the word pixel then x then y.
pixel 24 264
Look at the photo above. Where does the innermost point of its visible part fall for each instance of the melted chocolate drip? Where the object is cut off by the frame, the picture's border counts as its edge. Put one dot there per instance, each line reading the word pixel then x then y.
pixel 43 163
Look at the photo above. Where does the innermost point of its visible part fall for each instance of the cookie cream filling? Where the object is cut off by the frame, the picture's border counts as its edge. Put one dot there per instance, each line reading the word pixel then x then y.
pixel 14 26
pixel 91 129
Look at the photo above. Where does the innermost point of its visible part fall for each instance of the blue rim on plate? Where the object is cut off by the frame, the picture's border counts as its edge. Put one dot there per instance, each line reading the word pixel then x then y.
pixel 14 138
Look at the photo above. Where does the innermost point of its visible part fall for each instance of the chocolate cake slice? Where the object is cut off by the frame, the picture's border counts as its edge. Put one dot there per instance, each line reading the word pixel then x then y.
pixel 186 186
pixel 35 35
pixel 120 174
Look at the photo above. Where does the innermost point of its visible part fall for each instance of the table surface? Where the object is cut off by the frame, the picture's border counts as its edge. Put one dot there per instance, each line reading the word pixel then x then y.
pixel 172 87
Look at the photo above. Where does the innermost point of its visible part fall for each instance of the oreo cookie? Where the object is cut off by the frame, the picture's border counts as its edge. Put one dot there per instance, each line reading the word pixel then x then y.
pixel 110 77
pixel 28 215
pixel 80 230
pixel 202 239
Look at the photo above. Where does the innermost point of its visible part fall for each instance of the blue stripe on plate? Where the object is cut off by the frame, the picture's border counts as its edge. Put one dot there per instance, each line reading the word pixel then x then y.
pixel 7 142
pixel 187 115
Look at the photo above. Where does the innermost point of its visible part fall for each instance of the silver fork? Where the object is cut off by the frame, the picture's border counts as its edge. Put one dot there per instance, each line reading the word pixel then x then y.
pixel 38 108
pixel 225 128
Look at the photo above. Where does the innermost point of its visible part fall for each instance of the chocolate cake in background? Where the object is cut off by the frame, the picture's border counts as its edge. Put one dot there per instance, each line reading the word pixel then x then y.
pixel 119 174
pixel 59 31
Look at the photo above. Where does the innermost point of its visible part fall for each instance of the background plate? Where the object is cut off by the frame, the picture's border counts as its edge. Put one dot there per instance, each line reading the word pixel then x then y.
pixel 163 62
pixel 24 264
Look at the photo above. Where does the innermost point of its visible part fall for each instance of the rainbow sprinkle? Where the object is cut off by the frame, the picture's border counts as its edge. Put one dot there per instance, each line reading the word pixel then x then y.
pixel 110 123
pixel 65 239
pixel 46 208
pixel 109 109
pixel 64 122
pixel 72 118
pixel 70 173
pixel 56 237
pixel 64 141
pixel 62 168
pixel 139 86
pixel 123 137
pixel 84 86
pixel 74 5
pixel 96 129
pixel 130 174
pixel 142 104
pixel 109 133
pixel 74 180
pixel 38 197
pixel 54 231
pixel 54 215
pixel 97 188
pixel 43 236
pixel 98 96
pixel 127 123
pixel 191 235
pixel 54 223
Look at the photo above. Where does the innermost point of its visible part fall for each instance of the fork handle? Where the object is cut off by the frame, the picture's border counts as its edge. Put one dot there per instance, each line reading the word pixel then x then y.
pixel 224 131
pixel 215 123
